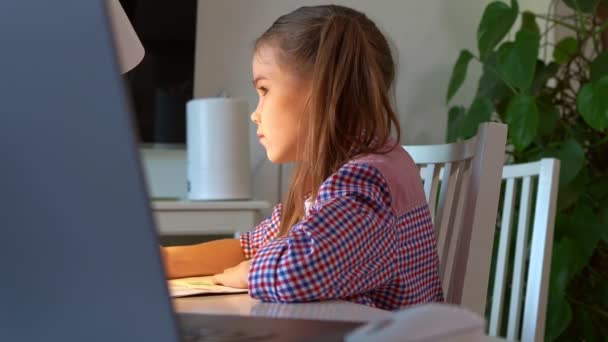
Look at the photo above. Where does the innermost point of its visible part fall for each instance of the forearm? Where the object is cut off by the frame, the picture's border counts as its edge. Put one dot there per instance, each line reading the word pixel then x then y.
pixel 202 259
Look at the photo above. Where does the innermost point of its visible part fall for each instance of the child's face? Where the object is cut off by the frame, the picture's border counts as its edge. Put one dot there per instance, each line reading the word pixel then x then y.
pixel 280 111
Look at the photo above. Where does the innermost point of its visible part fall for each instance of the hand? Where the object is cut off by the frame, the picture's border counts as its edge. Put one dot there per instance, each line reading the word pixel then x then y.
pixel 236 276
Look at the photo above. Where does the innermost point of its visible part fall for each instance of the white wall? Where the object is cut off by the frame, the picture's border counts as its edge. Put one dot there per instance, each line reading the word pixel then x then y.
pixel 427 35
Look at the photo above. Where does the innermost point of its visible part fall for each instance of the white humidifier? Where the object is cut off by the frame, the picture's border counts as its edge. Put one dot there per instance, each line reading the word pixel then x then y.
pixel 218 149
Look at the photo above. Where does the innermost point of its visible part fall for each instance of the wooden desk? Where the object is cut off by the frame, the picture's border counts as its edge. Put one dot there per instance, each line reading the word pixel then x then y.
pixel 244 305
pixel 206 217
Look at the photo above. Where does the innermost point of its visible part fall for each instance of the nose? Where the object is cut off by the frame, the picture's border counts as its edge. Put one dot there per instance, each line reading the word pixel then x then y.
pixel 255 117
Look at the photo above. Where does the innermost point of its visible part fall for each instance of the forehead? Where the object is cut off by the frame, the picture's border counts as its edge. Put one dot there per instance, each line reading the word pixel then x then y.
pixel 265 63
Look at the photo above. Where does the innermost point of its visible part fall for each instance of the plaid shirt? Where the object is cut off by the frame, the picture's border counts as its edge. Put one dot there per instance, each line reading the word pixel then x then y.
pixel 366 238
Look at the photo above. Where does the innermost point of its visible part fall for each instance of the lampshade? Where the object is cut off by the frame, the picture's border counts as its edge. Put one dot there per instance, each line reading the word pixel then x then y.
pixel 130 49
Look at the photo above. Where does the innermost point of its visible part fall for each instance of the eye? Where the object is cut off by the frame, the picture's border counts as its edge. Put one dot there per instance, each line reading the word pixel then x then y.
pixel 263 90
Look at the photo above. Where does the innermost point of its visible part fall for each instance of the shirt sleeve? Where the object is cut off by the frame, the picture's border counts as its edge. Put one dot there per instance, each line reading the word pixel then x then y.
pixel 252 240
pixel 343 247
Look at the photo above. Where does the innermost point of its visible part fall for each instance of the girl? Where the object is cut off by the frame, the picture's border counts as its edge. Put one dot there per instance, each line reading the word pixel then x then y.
pixel 355 224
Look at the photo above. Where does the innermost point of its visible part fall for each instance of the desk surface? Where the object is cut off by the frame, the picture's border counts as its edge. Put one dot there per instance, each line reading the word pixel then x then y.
pixel 244 305
pixel 187 205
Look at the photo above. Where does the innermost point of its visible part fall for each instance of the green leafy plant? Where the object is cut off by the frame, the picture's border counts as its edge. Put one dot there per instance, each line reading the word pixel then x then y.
pixel 555 107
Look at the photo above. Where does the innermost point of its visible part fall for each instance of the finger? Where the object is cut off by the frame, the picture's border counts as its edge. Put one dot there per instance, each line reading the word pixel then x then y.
pixel 217 279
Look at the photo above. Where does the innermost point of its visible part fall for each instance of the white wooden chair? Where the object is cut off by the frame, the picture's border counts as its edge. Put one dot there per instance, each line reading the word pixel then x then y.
pixel 462 186
pixel 535 253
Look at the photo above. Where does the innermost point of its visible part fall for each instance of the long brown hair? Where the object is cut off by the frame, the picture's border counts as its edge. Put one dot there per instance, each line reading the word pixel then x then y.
pixel 351 68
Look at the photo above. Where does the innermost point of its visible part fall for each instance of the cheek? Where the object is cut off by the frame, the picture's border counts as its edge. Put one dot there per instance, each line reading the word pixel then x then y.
pixel 283 117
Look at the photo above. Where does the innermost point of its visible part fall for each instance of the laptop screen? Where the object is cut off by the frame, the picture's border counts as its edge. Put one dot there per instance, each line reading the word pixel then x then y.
pixel 80 258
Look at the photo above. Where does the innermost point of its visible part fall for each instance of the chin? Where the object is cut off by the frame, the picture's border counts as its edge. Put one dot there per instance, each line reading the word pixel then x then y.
pixel 274 158
pixel 278 158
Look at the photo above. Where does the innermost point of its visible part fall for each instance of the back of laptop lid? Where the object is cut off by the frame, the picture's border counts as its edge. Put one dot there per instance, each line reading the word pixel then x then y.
pixel 79 259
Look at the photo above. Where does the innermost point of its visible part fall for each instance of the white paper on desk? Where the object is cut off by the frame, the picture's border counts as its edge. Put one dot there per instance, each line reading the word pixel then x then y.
pixel 198 285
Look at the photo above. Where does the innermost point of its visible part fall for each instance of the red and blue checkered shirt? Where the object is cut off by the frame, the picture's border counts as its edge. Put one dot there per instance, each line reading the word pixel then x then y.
pixel 367 238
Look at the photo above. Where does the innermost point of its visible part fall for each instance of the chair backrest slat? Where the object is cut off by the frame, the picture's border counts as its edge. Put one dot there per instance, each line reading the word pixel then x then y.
pixel 540 252
pixel 456 231
pixel 446 194
pixel 445 208
pixel 502 257
pixel 536 257
pixel 430 176
pixel 519 265
pixel 462 185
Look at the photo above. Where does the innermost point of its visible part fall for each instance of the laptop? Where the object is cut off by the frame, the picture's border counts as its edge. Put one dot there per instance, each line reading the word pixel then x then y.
pixel 80 257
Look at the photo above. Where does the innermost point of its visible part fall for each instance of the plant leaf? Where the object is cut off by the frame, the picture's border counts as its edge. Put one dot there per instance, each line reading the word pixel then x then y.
pixel 592 103
pixel 599 66
pixel 584 227
pixel 564 49
pixel 598 188
pixel 569 257
pixel 563 254
pixel 459 73
pixel 572 157
pixel 480 111
pixel 496 22
pixel 544 72
pixel 455 120
pixel 517 60
pixel 584 323
pixel 522 118
pixel 549 116
pixel 570 193
pixel 490 84
pixel 528 22
pixel 559 315
pixel 585 6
